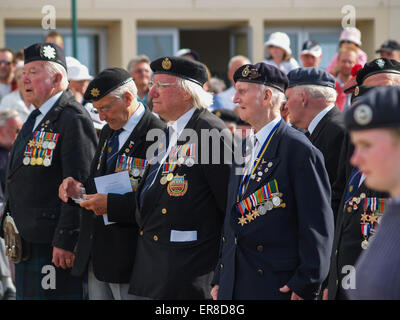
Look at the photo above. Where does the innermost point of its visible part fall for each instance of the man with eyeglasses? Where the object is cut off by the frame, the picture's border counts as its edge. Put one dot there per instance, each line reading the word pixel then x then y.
pixel 108 250
pixel 139 68
pixel 181 200
pixel 7 67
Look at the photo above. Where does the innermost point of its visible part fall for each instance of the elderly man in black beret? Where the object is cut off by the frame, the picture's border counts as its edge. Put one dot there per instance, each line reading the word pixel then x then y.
pixel 374 125
pixel 311 97
pixel 57 140
pixel 181 200
pixel 278 229
pixel 108 250
pixel 349 188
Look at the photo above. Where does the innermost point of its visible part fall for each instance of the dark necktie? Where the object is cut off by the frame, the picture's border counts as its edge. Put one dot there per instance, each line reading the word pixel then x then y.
pixel 27 128
pixel 353 183
pixel 113 147
pixel 153 170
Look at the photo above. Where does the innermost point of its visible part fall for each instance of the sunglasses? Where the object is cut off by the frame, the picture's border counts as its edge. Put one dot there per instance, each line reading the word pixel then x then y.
pixel 7 63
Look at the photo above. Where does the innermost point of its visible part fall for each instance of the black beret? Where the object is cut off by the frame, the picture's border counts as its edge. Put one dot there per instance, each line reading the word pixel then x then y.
pixel 310 76
pixel 185 52
pixel 105 82
pixel 181 67
pixel 45 52
pixel 378 108
pixel 381 65
pixel 262 73
pixel 389 45
pixel 227 115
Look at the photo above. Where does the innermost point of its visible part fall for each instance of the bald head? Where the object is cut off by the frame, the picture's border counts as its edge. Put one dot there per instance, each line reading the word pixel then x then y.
pixel 235 63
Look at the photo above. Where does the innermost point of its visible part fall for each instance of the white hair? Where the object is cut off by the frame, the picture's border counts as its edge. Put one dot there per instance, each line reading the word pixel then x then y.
pixel 127 87
pixel 278 97
pixel 54 68
pixel 201 98
pixel 320 92
pixel 7 114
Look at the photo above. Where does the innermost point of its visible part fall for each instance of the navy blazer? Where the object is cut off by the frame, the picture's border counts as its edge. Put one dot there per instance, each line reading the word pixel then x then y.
pixel 288 245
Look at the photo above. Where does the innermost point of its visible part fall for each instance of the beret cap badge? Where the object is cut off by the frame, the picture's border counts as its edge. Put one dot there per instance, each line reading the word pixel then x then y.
pixel 380 63
pixel 166 64
pixel 246 71
pixel 48 52
pixel 356 91
pixel 363 114
pixel 95 92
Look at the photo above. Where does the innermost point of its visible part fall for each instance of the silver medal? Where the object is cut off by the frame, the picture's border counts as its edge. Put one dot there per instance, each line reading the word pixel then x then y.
pixel 262 210
pixel 276 201
pixel 269 206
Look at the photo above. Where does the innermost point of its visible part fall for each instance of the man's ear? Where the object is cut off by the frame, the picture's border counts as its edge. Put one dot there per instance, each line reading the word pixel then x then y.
pixel 267 96
pixel 57 78
pixel 127 98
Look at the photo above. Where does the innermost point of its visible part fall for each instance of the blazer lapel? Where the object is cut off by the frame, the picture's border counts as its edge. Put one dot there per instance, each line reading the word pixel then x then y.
pixel 318 129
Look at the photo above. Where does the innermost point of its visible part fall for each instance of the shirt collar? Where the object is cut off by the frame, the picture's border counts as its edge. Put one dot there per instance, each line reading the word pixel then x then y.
pixel 45 107
pixel 262 134
pixel 313 124
pixel 134 119
pixel 181 123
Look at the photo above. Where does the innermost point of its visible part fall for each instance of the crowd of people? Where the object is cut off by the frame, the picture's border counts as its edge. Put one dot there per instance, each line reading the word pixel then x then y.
pixel 125 198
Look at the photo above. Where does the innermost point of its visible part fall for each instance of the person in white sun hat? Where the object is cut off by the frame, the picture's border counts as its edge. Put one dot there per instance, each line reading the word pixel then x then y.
pixel 278 52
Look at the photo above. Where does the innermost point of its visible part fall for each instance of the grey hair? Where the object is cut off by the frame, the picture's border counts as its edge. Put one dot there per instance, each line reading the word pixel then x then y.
pixel 278 97
pixel 134 61
pixel 127 87
pixel 7 114
pixel 201 98
pixel 320 92
pixel 234 58
pixel 54 68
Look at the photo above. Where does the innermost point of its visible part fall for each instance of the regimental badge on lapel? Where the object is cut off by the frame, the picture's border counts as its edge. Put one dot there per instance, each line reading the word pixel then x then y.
pixel 178 186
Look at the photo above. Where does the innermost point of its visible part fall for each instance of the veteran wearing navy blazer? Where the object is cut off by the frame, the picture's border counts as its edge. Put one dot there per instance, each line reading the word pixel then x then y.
pixel 278 228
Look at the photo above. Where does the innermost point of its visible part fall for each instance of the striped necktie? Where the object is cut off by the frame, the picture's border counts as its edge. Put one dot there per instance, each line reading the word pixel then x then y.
pixel 113 147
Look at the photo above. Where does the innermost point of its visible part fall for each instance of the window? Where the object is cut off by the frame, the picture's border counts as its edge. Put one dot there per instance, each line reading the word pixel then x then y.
pixel 156 42
pixel 92 43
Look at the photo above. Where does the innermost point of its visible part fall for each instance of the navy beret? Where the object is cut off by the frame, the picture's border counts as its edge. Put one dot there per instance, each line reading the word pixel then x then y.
pixel 227 115
pixel 381 65
pixel 105 82
pixel 262 73
pixel 378 108
pixel 181 67
pixel 45 52
pixel 310 76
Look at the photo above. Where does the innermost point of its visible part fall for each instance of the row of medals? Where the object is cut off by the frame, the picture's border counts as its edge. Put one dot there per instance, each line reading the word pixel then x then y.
pixel 262 209
pixel 40 161
pixel 365 218
pixel 168 176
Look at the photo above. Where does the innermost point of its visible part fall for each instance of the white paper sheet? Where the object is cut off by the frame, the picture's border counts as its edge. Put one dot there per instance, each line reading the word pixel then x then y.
pixel 118 183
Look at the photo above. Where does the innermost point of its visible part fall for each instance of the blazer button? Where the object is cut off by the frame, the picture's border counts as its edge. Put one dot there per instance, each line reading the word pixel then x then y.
pixel 164 211
pixel 141 232
pixel 155 238
pixel 223 239
pixel 260 248
pixel 221 266
pixel 260 272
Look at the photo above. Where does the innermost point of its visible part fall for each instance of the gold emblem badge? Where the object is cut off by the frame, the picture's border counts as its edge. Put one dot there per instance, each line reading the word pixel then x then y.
pixel 166 64
pixel 246 72
pixel 356 91
pixel 95 92
pixel 363 114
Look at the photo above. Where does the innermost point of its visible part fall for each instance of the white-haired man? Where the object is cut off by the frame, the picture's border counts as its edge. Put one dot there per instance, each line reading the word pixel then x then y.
pixel 57 140
pixel 181 201
pixel 311 97
pixel 107 250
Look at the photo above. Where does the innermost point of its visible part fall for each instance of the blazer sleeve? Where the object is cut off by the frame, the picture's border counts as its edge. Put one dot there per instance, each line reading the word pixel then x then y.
pixel 78 147
pixel 315 222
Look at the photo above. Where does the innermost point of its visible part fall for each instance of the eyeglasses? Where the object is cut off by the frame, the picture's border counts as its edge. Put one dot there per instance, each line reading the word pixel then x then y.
pixel 102 110
pixel 7 63
pixel 159 85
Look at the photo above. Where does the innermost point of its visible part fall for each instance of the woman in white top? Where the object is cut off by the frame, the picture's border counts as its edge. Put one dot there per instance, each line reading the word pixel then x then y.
pixel 279 53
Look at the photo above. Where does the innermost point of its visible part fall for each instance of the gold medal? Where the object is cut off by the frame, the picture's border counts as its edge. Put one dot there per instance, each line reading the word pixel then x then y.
pixel 39 161
pixel 364 244
pixel 170 176
pixel 33 161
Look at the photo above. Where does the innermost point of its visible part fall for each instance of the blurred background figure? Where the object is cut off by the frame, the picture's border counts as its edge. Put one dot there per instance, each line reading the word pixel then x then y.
pixel 79 78
pixel 16 100
pixel 348 37
pixel 225 99
pixel 311 54
pixel 7 68
pixel 55 37
pixel 347 59
pixel 390 49
pixel 188 53
pixel 278 52
pixel 216 85
pixel 139 68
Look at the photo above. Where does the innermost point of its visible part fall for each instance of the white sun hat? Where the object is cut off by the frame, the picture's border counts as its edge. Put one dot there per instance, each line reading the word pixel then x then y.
pixel 280 40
